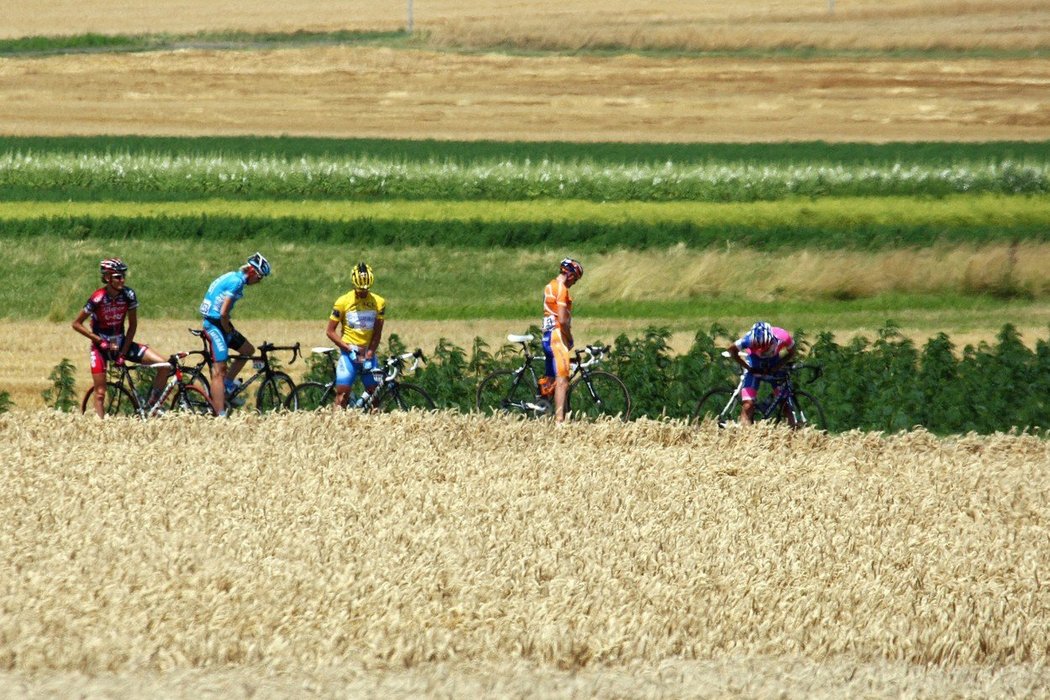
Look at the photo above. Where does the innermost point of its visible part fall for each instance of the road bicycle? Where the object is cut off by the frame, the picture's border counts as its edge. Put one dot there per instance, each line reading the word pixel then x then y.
pixel 124 397
pixel 391 394
pixel 275 386
pixel 798 408
pixel 592 392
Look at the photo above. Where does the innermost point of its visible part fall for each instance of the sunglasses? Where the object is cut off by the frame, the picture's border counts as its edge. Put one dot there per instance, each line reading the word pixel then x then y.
pixel 116 276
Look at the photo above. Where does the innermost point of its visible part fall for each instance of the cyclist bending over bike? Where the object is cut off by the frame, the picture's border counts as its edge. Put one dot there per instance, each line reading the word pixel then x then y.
pixel 109 307
pixel 557 334
pixel 356 327
pixel 216 308
pixel 763 351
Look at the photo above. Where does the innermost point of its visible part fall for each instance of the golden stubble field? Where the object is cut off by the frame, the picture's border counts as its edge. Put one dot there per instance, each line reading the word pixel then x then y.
pixel 433 93
pixel 444 554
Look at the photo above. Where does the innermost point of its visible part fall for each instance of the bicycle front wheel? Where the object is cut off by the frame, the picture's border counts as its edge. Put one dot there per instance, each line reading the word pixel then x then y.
pixel 118 402
pixel 722 405
pixel 804 411
pixel 599 394
pixel 190 399
pixel 200 377
pixel 506 391
pixel 405 397
pixel 274 392
pixel 310 396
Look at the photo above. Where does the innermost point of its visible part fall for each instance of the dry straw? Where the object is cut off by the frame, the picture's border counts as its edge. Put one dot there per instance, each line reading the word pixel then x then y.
pixel 300 543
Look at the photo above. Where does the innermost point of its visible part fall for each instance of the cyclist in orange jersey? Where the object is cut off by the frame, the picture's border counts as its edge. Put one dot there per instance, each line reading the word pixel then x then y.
pixel 557 334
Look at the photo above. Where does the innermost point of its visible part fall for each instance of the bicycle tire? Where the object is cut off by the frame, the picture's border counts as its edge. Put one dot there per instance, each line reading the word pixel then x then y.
pixel 190 399
pixel 405 397
pixel 274 392
pixel 503 392
pixel 598 394
pixel 197 377
pixel 808 409
pixel 118 402
pixel 720 404
pixel 310 396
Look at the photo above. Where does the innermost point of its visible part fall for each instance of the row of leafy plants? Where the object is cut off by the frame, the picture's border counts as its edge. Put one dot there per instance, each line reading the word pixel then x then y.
pixel 888 383
pixel 160 176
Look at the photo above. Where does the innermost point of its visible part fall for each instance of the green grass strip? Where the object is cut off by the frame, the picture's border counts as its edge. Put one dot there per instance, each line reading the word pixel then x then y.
pixel 234 40
pixel 949 212
pixel 928 153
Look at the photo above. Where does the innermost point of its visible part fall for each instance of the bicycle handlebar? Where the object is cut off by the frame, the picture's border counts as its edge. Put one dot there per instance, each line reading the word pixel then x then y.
pixel 266 348
pixel 595 353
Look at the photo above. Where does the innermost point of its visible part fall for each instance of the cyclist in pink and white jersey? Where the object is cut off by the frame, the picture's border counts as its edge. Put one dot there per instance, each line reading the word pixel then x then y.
pixel 108 307
pixel 762 352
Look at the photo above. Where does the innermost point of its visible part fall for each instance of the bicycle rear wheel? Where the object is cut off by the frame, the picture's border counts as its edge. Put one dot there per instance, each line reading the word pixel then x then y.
pixel 805 412
pixel 310 396
pixel 599 394
pixel 274 392
pixel 721 405
pixel 190 399
pixel 505 391
pixel 118 402
pixel 405 397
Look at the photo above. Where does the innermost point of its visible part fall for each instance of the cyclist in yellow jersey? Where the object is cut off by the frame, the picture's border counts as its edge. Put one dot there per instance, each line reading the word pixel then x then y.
pixel 356 327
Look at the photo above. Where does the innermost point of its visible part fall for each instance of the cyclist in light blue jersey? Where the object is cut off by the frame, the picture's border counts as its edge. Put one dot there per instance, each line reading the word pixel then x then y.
pixel 216 308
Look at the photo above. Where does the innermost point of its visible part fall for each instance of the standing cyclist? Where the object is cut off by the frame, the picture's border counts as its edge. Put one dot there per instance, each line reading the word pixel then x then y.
pixel 216 308
pixel 762 352
pixel 356 327
pixel 557 334
pixel 108 308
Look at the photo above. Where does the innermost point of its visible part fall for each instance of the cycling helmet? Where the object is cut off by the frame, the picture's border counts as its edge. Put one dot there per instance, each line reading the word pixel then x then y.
pixel 762 335
pixel 260 264
pixel 112 265
pixel 571 267
pixel 362 276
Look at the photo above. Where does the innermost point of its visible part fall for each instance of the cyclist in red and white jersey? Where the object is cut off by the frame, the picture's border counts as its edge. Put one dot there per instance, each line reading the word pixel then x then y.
pixel 108 308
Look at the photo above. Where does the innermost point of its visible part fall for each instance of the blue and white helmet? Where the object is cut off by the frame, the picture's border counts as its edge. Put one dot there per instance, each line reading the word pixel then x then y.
pixel 260 264
pixel 762 335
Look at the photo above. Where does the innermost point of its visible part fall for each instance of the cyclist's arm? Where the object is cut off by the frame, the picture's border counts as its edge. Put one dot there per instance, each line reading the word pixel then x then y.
pixel 377 335
pixel 565 325
pixel 79 327
pixel 224 314
pixel 334 334
pixel 788 357
pixel 734 352
pixel 129 334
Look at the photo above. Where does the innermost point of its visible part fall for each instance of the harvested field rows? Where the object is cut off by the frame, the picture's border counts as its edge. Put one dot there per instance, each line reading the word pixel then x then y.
pixel 449 552
pixel 676 24
pixel 376 92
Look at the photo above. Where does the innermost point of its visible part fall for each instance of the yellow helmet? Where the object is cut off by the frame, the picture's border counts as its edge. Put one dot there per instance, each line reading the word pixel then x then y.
pixel 362 276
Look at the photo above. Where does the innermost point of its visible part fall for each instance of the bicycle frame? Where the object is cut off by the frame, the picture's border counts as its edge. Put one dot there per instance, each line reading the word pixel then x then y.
pixel 386 374
pixel 580 367
pixel 263 372
pixel 781 403
pixel 125 378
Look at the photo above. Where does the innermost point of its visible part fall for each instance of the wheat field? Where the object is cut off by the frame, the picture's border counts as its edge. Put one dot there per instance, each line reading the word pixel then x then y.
pixel 445 554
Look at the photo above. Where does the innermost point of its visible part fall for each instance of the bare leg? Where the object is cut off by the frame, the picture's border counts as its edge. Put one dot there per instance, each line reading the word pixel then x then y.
pixel 98 382
pixel 218 387
pixel 561 391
